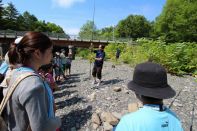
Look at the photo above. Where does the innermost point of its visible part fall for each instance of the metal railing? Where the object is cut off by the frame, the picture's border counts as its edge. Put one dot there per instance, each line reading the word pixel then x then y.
pixel 14 34
pixel 63 36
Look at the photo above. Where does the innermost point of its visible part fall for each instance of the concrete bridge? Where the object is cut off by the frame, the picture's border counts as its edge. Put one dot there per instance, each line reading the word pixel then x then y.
pixel 60 40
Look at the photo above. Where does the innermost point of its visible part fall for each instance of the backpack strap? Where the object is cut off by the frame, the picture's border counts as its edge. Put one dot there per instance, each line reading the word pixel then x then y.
pixel 12 88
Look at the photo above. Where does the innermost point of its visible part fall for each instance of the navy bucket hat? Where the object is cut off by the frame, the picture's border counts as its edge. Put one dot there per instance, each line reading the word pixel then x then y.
pixel 150 79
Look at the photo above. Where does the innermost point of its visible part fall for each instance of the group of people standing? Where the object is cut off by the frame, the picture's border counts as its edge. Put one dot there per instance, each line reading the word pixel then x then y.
pixel 62 65
pixel 31 105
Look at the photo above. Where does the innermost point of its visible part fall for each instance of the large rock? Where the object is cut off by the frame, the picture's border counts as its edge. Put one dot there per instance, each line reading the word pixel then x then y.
pixel 133 107
pixel 108 117
pixel 117 115
pixel 107 126
pixel 96 119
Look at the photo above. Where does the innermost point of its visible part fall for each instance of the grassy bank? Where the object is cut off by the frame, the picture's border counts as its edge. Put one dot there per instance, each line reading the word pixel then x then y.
pixel 177 58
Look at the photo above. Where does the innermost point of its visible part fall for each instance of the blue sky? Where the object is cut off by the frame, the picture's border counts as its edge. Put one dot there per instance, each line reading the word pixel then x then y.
pixel 72 14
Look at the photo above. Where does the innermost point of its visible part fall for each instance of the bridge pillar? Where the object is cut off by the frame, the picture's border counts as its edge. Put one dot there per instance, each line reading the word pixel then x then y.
pixel 72 51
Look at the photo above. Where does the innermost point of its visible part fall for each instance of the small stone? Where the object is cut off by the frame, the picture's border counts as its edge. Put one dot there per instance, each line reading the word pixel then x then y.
pixel 98 111
pixel 125 86
pixel 108 117
pixel 92 97
pixel 72 95
pixel 117 89
pixel 95 126
pixel 117 115
pixel 96 119
pixel 116 99
pixel 107 126
pixel 108 98
pixel 126 91
pixel 133 107
pixel 177 104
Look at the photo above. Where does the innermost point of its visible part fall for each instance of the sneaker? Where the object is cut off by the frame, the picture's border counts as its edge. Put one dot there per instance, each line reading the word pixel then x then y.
pixel 94 82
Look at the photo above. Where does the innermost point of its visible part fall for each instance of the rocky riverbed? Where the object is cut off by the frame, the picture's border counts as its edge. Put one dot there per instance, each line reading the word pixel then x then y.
pixel 78 99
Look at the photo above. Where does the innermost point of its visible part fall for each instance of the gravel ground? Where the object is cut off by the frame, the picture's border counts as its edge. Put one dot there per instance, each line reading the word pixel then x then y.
pixel 75 108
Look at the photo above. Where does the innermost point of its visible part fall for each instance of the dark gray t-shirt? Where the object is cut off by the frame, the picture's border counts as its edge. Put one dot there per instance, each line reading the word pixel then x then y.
pixel 29 105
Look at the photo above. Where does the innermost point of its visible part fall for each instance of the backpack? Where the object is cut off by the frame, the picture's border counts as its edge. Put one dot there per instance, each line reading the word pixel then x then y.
pixel 3 126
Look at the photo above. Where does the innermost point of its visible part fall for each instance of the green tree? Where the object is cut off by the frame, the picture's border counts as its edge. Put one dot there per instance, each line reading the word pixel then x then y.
pixel 11 19
pixel 21 24
pixel 87 29
pixel 1 13
pixel 10 15
pixel 134 26
pixel 178 21
pixel 1 8
pixel 41 26
pixel 29 21
pixel 54 28
pixel 107 33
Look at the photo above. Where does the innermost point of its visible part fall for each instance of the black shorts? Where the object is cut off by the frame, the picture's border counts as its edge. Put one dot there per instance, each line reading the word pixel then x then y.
pixel 97 71
pixel 67 66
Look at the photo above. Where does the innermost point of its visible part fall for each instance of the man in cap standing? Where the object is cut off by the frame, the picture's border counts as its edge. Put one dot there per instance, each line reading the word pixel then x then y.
pixel 150 86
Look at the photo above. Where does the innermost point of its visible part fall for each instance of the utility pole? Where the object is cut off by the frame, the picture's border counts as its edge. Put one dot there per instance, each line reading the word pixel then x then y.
pixel 92 46
pixel 113 32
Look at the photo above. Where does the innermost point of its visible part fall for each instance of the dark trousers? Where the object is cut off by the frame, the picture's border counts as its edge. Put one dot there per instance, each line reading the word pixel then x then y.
pixel 97 70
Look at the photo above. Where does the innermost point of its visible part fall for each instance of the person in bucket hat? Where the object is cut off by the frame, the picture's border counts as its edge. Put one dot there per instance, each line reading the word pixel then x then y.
pixel 150 86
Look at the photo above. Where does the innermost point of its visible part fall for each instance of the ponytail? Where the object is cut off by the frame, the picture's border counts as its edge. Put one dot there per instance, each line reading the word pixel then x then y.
pixel 14 56
pixel 21 50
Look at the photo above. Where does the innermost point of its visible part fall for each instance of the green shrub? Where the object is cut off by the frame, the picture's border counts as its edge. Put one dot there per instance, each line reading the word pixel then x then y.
pixel 82 52
pixel 177 58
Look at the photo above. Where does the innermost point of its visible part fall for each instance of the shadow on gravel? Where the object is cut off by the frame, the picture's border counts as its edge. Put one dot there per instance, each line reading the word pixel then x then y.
pixel 71 80
pixel 78 74
pixel 66 85
pixel 74 78
pixel 86 79
pixel 111 82
pixel 76 119
pixel 107 83
pixel 63 93
pixel 69 102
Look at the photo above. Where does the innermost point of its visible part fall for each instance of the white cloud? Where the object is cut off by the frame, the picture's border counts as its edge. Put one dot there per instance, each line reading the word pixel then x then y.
pixel 67 3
